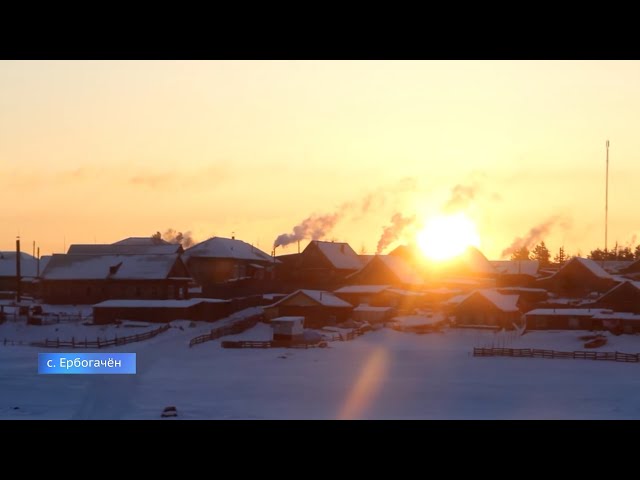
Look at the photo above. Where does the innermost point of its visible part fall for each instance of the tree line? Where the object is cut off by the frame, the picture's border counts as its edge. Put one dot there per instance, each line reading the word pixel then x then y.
pixel 541 253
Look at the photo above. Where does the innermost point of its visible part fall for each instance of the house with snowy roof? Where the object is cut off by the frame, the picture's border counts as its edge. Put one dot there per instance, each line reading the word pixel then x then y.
pixel 30 267
pixel 488 308
pixel 142 241
pixel 320 265
pixel 318 307
pixel 227 267
pixel 564 318
pixel 469 264
pixel 578 278
pixel 126 249
pixel 87 279
pixel 512 273
pixel 387 296
pixel 387 270
pixel 624 297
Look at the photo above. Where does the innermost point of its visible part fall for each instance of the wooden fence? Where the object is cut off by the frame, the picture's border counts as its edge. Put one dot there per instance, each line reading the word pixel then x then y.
pixel 538 353
pixel 117 341
pixel 234 329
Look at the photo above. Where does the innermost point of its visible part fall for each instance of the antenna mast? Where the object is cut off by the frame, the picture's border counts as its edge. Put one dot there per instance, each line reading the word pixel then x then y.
pixel 606 203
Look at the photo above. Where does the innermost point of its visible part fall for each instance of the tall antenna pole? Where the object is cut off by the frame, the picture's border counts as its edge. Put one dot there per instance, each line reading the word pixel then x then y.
pixel 606 203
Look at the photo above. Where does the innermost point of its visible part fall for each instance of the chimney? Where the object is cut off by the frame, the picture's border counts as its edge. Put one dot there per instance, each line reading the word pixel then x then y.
pixel 38 257
pixel 18 276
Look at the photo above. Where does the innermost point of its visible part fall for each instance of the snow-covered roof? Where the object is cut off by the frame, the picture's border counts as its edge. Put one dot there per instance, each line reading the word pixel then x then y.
pixel 363 307
pixel 576 312
pixel 401 269
pixel 631 283
pixel 591 265
pixel 419 320
pixel 341 255
pixel 156 303
pixel 618 316
pixel 287 319
pixel 442 291
pixel 125 249
pixel 475 261
pixel 362 289
pixel 506 303
pixel 326 299
pixel 522 289
pixel 218 247
pixel 141 241
pixel 119 267
pixel 405 293
pixel 28 264
pixel 615 266
pixel 516 267
pixel 457 299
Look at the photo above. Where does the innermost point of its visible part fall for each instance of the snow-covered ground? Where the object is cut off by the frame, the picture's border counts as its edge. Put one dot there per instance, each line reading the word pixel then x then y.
pixel 382 374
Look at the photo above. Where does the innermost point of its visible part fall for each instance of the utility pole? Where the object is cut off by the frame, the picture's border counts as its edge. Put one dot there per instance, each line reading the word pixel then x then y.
pixel 18 273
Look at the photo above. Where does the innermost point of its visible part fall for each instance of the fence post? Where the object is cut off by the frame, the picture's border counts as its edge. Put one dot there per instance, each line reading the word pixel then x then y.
pixel 98 341
pixel 73 342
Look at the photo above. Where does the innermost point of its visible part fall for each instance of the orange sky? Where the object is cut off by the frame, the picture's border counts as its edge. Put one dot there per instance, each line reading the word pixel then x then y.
pixel 100 150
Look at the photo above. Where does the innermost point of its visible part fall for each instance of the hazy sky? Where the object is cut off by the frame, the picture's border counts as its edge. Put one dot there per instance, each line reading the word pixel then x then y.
pixel 101 150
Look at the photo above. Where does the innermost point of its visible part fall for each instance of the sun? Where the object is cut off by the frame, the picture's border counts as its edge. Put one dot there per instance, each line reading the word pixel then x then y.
pixel 447 236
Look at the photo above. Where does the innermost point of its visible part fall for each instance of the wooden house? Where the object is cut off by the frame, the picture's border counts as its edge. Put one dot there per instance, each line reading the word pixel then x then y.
pixel 488 308
pixel 578 278
pixel 319 308
pixel 87 279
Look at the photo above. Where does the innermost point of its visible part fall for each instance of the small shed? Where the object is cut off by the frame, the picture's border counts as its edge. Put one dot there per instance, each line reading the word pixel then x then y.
pixel 287 328
pixel 368 313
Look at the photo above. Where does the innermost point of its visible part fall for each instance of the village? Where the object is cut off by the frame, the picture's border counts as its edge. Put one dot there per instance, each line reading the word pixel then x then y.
pixel 324 286
pixel 224 330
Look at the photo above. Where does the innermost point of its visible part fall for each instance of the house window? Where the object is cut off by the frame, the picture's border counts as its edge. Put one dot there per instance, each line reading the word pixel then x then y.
pixel 541 322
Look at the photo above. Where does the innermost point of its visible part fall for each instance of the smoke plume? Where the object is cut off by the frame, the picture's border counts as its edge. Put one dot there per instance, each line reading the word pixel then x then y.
pixel 461 197
pixel 173 236
pixel 534 235
pixel 392 232
pixel 314 227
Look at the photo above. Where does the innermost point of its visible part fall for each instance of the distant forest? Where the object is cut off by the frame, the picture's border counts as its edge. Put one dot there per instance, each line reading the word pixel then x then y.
pixel 542 254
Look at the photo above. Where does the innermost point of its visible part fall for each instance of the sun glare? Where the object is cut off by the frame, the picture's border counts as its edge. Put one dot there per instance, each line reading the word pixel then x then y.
pixel 447 236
